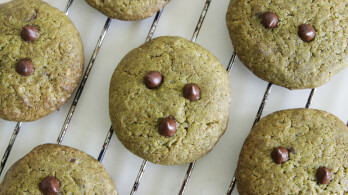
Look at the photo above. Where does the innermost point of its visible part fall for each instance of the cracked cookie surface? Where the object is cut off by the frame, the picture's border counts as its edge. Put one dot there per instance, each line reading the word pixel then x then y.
pixel 136 110
pixel 278 55
pixel 314 138
pixel 56 54
pixel 77 172
pixel 128 10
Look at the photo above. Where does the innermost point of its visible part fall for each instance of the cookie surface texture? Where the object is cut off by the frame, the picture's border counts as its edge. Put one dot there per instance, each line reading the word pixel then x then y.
pixel 128 10
pixel 136 111
pixel 278 54
pixel 314 139
pixel 41 59
pixel 76 171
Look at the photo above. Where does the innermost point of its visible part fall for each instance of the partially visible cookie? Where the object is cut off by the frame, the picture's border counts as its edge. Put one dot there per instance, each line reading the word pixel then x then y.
pixel 295 44
pixel 41 59
pixel 59 170
pixel 128 10
pixel 169 101
pixel 297 151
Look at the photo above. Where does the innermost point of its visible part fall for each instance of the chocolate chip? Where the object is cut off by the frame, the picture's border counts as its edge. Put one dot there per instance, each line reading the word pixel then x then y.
pixel 72 160
pixel 30 33
pixel 49 185
pixel 306 32
pixel 25 67
pixel 280 155
pixel 167 127
pixel 191 91
pixel 270 20
pixel 153 79
pixel 323 175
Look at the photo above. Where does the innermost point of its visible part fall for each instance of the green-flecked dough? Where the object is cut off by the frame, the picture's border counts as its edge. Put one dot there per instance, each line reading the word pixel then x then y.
pixel 57 55
pixel 76 171
pixel 315 139
pixel 135 110
pixel 279 55
pixel 128 10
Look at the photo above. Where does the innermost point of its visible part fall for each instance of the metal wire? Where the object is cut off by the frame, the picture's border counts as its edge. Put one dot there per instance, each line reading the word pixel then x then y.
pixel 10 145
pixel 19 124
pixel 154 25
pixel 83 82
pixel 200 21
pixel 187 177
pixel 258 116
pixel 310 98
pixel 192 165
pixel 263 103
pixel 106 144
pixel 68 6
pixel 230 64
pixel 139 177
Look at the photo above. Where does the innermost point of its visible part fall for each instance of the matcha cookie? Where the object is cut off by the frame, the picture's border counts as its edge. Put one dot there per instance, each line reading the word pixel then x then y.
pixel 169 101
pixel 295 44
pixel 298 151
pixel 128 10
pixel 57 169
pixel 41 59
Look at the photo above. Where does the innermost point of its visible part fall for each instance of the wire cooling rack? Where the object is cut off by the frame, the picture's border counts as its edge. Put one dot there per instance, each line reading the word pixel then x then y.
pixel 90 124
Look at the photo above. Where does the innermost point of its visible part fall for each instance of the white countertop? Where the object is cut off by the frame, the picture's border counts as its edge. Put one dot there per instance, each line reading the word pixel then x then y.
pixel 90 123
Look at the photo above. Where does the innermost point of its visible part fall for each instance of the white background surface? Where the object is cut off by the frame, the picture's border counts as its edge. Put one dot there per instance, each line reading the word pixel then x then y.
pixel 90 124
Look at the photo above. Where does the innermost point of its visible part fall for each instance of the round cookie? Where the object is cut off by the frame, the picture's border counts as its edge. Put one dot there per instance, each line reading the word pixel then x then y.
pixel 166 124
pixel 282 51
pixel 285 152
pixel 128 10
pixel 41 59
pixel 73 172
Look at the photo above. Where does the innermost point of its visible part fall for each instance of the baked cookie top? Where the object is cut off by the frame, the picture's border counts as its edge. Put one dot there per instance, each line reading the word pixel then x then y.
pixel 295 44
pixel 297 151
pixel 169 101
pixel 128 10
pixel 59 170
pixel 41 59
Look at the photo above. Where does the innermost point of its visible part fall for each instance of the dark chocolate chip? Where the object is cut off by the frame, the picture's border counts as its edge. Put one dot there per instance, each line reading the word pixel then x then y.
pixel 49 186
pixel 191 91
pixel 30 33
pixel 280 155
pixel 25 67
pixel 270 20
pixel 167 127
pixel 153 79
pixel 306 32
pixel 72 160
pixel 323 175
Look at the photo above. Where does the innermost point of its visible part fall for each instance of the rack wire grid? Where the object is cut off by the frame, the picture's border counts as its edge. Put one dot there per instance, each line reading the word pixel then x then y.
pixel 212 174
